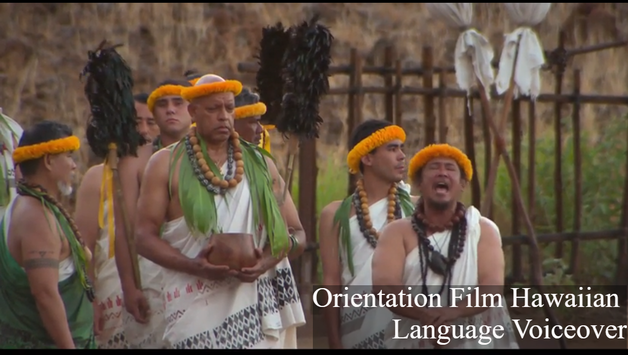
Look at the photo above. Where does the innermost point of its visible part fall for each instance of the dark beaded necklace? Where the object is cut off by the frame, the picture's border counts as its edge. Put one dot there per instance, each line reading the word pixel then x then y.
pixel 199 172
pixel 434 259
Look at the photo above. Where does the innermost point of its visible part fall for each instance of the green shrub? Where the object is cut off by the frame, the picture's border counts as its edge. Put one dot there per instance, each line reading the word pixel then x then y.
pixel 603 172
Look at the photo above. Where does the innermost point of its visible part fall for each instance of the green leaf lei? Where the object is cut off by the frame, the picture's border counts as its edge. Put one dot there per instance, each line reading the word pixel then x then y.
pixel 341 218
pixel 199 206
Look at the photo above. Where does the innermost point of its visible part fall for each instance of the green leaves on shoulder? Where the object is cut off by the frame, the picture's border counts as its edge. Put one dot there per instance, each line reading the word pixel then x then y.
pixel 265 206
pixel 407 207
pixel 341 219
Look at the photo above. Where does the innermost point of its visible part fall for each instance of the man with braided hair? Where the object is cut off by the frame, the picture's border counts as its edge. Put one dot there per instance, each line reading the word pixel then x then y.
pixel 209 187
pixel 95 219
pixel 349 229
pixel 45 292
pixel 441 249
pixel 170 111
pixel 143 323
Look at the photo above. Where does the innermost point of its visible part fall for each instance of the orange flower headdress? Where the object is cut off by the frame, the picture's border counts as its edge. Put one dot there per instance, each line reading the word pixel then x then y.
pixel 377 139
pixel 433 151
pixel 36 151
pixel 247 111
pixel 191 93
pixel 164 90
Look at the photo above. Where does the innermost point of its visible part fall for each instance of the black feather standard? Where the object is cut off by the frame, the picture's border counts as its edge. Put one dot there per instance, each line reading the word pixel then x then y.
pixel 109 90
pixel 273 46
pixel 306 79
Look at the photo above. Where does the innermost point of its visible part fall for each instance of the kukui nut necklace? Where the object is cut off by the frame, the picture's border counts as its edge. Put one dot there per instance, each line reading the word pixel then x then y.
pixel 361 205
pixel 204 174
pixel 23 189
pixel 433 259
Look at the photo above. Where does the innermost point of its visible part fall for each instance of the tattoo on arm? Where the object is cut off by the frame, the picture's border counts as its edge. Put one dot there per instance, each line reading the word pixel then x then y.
pixel 41 253
pixel 41 263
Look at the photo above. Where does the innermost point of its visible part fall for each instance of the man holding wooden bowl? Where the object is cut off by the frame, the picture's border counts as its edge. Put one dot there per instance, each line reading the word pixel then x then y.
pixel 224 247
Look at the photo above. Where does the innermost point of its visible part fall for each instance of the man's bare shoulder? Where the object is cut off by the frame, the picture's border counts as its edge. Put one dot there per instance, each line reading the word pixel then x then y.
pixel 489 231
pixel 271 166
pixel 330 210
pixel 95 172
pixel 396 229
pixel 31 218
pixel 139 161
pixel 159 159
pixel 92 177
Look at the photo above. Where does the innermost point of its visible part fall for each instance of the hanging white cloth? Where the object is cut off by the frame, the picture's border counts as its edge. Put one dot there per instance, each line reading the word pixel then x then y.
pixel 473 53
pixel 530 56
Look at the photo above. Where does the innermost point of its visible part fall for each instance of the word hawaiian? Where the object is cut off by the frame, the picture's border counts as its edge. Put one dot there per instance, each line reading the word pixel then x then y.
pixel 569 331
pixel 403 299
pixel 444 334
pixel 524 299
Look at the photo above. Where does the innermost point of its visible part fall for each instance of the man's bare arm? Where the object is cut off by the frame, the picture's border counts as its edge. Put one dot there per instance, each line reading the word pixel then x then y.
pixel 491 269
pixel 86 210
pixel 388 265
pixel 127 168
pixel 328 235
pixel 152 206
pixel 41 248
pixel 288 211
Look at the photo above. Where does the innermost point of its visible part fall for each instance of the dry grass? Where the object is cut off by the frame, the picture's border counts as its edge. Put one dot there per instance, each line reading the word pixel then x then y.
pixel 46 46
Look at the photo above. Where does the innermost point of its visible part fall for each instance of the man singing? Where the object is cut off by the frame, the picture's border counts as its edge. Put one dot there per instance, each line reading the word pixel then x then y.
pixel 443 245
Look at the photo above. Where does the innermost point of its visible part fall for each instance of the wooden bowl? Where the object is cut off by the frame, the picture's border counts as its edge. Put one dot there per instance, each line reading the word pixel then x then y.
pixel 235 250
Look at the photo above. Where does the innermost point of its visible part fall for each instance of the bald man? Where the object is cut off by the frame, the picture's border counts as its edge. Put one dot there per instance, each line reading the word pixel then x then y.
pixel 216 306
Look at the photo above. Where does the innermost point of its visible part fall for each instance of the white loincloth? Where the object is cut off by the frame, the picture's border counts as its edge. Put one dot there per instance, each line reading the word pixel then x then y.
pixel 363 328
pixel 229 314
pixel 151 334
pixel 108 294
pixel 465 274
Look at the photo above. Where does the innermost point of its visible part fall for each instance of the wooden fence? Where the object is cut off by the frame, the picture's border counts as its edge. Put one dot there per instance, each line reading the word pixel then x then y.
pixel 434 93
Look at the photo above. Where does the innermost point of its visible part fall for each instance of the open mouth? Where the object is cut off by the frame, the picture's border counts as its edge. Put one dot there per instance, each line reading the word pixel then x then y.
pixel 441 187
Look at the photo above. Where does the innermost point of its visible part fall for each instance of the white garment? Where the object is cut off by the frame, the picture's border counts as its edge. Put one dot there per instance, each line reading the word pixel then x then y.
pixel 229 314
pixel 150 335
pixel 109 293
pixel 363 328
pixel 465 273
pixel 120 330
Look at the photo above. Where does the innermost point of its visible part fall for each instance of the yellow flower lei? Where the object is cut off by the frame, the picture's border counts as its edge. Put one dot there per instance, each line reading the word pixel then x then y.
pixel 193 92
pixel 36 151
pixel 377 139
pixel 247 111
pixel 432 151
pixel 193 81
pixel 165 90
